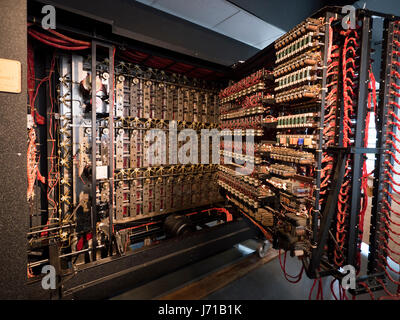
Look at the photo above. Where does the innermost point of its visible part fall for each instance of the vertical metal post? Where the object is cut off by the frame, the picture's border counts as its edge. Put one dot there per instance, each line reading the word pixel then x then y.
pixel 111 83
pixel 316 210
pixel 96 44
pixel 94 150
pixel 358 157
pixel 381 130
pixel 54 260
pixel 328 214
pixel 42 67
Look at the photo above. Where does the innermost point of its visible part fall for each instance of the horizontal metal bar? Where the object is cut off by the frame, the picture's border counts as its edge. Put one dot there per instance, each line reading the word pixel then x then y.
pixel 116 274
pixel 368 150
pixel 52 229
pixel 355 150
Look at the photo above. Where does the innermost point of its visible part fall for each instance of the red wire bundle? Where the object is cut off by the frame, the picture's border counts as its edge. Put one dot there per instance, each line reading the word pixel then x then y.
pixel 288 277
pixel 342 291
pixel 387 219
pixel 33 172
pixel 349 66
pixel 342 213
pixel 386 230
pixel 53 175
pixel 58 40
pixel 320 293
pixel 365 175
pixel 330 110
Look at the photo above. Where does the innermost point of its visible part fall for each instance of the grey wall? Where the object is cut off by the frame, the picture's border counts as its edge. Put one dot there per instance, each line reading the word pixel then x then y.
pixel 13 137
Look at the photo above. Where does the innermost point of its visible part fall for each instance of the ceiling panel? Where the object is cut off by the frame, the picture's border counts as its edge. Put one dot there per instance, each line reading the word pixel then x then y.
pixel 261 45
pixel 223 17
pixel 206 13
pixel 148 2
pixel 249 29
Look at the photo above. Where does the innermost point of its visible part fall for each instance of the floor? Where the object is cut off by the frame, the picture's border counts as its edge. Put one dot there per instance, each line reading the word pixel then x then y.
pixel 186 275
pixel 265 283
pixel 268 283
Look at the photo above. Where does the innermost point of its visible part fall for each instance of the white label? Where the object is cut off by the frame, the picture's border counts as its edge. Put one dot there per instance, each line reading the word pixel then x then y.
pixel 10 76
pixel 101 172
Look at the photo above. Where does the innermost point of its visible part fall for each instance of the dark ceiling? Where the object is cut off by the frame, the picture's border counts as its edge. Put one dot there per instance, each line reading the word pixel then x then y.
pixel 285 14
pixel 144 23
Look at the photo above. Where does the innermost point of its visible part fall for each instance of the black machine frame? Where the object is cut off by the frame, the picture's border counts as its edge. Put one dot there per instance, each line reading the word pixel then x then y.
pixel 358 152
pixel 115 274
pixel 318 266
pixel 104 278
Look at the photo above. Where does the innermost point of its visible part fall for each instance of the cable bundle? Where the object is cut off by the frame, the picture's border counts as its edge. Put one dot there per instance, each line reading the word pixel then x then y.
pixel 33 90
pixel 349 56
pixel 365 174
pixel 58 40
pixel 320 292
pixel 389 238
pixel 329 130
pixel 288 277
pixel 342 291
pixel 32 165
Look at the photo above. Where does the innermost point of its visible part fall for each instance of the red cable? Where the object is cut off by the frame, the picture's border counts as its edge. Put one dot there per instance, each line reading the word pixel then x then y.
pixel 368 290
pixel 54 44
pixel 84 43
pixel 389 236
pixel 312 289
pixel 388 274
pixel 389 294
pixel 320 289
pixel 333 291
pixel 297 278
pixel 48 38
pixel 388 265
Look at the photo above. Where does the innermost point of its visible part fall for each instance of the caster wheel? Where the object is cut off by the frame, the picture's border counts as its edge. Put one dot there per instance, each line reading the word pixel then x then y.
pixel 263 249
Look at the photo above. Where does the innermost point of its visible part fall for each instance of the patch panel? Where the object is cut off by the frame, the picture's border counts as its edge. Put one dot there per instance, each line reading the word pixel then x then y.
pixel 306 42
pixel 305 140
pixel 281 169
pixel 309 58
pixel 301 93
pixel 303 120
pixel 243 113
pixel 292 186
pixel 291 155
pixel 309 25
pixel 306 74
